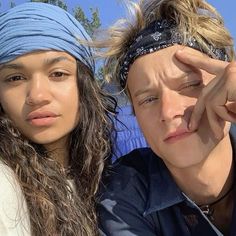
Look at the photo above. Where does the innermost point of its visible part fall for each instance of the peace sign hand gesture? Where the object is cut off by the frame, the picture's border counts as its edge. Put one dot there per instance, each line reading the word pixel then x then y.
pixel 218 97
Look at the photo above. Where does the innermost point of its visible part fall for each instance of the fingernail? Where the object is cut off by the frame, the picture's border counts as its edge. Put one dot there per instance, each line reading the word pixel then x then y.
pixel 190 125
pixel 179 51
pixel 219 136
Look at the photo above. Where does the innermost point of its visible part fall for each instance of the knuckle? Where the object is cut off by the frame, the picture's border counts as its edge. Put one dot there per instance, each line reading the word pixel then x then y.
pixel 230 73
pixel 208 102
pixel 205 95
pixel 230 68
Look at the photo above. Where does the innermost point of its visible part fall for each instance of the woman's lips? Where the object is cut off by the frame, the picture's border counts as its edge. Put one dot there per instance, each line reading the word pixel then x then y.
pixel 42 118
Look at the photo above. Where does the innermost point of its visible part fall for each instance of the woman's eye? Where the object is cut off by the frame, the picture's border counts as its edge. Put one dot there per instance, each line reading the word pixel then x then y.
pixel 59 75
pixel 14 78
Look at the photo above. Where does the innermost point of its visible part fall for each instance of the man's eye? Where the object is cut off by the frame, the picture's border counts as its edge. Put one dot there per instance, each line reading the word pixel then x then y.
pixel 191 85
pixel 148 100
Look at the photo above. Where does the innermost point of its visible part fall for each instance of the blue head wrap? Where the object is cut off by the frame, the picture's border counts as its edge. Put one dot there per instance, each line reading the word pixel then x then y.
pixel 39 26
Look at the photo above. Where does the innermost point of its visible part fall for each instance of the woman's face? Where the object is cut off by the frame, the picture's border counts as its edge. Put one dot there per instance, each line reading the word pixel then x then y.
pixel 38 92
pixel 163 92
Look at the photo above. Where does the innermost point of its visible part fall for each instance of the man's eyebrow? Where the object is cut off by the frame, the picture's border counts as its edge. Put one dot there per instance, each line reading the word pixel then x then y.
pixel 174 78
pixel 15 66
pixel 181 76
pixel 54 60
pixel 141 91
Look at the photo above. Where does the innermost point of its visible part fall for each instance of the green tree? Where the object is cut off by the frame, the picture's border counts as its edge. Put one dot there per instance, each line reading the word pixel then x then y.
pixel 90 25
pixel 59 3
pixel 12 4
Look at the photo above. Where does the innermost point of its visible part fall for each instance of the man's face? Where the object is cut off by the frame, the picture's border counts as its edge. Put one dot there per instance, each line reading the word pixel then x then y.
pixel 163 92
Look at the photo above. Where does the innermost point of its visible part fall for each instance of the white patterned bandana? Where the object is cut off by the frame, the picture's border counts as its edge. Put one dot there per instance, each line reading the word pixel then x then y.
pixel 158 35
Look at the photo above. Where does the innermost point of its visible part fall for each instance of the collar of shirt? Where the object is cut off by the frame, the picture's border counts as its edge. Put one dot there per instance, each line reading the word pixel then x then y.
pixel 163 191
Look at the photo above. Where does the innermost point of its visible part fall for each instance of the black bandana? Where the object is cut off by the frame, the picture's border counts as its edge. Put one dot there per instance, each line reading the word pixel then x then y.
pixel 158 35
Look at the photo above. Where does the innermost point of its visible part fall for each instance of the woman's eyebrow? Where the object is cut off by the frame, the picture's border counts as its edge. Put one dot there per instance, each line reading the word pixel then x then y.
pixel 18 66
pixel 15 66
pixel 54 60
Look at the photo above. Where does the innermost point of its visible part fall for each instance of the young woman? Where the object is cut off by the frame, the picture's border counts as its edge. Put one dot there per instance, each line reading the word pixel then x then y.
pixel 54 124
pixel 173 59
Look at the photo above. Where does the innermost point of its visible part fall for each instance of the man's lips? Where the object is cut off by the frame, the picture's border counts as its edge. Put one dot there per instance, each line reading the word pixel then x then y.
pixel 41 118
pixel 177 135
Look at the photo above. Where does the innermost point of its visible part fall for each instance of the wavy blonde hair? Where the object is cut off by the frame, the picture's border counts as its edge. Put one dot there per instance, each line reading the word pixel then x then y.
pixel 195 18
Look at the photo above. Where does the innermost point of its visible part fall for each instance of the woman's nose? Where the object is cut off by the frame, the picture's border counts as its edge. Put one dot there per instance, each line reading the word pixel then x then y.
pixel 38 91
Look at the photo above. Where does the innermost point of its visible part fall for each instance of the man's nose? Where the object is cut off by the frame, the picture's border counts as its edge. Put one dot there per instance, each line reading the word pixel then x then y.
pixel 173 105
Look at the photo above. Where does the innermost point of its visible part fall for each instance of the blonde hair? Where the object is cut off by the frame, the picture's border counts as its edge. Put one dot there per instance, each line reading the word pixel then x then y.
pixel 194 18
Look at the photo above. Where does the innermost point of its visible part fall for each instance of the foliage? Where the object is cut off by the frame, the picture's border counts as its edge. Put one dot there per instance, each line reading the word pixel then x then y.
pixel 90 24
pixel 12 4
pixel 59 3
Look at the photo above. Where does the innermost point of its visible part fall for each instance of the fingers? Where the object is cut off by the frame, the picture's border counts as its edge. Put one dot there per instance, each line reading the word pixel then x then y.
pixel 199 60
pixel 217 117
pixel 201 103
pixel 216 123
pixel 197 113
pixel 215 96
pixel 218 99
pixel 231 107
pixel 217 113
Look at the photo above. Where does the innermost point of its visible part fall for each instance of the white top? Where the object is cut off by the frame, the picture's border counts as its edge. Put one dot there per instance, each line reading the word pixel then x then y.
pixel 14 217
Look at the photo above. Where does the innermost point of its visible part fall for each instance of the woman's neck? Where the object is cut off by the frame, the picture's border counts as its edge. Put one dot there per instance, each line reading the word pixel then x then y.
pixel 208 181
pixel 61 156
pixel 59 152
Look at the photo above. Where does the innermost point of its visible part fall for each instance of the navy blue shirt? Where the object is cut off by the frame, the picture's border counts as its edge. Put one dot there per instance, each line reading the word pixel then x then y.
pixel 141 198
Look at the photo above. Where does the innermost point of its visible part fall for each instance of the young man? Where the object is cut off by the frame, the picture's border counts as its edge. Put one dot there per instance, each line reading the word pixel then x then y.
pixel 173 61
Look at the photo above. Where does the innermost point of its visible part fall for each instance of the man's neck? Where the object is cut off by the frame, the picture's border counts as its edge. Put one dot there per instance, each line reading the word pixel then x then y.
pixel 209 180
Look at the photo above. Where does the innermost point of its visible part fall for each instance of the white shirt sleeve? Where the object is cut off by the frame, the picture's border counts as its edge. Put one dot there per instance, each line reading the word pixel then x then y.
pixel 14 216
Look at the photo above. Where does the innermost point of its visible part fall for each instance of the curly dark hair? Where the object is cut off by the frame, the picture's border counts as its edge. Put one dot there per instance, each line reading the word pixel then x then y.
pixel 57 207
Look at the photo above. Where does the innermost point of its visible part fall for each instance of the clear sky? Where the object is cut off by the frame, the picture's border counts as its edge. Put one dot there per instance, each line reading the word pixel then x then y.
pixel 110 10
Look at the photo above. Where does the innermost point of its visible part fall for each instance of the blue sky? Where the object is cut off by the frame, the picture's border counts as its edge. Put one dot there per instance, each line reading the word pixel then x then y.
pixel 110 10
